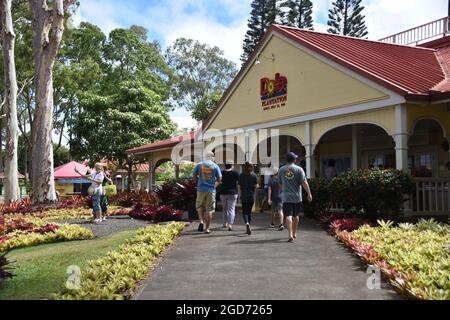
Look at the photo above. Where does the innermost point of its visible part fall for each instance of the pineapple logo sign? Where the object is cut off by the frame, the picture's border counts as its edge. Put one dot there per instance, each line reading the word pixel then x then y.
pixel 273 92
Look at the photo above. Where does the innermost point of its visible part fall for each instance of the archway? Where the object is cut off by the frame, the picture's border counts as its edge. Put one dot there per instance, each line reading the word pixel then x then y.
pixel 264 160
pixel 354 146
pixel 428 150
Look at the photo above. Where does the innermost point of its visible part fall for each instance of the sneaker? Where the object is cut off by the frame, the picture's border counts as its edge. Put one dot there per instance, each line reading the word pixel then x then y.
pixel 249 231
pixel 97 221
pixel 272 225
pixel 208 231
pixel 104 219
pixel 230 228
pixel 281 227
pixel 200 227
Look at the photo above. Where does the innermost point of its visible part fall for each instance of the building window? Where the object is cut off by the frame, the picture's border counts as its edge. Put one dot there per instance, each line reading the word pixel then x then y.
pixel 422 164
pixel 342 164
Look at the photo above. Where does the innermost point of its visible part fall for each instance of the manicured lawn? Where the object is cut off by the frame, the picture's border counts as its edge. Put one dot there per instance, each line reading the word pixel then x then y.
pixel 41 271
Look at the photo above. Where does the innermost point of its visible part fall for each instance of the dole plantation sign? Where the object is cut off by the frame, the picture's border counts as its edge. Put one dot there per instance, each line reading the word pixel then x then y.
pixel 273 92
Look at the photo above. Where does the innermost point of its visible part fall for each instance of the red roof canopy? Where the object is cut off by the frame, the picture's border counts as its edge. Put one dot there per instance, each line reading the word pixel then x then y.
pixel 168 143
pixel 66 171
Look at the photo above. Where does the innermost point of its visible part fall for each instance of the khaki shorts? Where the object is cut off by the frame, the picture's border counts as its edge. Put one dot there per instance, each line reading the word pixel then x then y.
pixel 206 201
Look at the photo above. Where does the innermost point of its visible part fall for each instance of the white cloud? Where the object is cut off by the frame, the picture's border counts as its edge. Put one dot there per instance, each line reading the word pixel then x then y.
pixel 387 17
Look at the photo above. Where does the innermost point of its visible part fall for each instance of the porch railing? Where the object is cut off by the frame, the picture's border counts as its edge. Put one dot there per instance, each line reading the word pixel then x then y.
pixel 431 196
pixel 434 29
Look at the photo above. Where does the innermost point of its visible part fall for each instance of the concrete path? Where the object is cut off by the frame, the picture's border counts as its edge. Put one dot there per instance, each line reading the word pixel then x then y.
pixel 233 265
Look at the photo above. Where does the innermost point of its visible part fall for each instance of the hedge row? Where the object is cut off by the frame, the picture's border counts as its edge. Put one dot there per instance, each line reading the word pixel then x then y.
pixel 374 193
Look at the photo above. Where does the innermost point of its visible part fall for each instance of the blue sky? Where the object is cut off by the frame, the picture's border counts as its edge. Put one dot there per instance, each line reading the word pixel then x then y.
pixel 223 23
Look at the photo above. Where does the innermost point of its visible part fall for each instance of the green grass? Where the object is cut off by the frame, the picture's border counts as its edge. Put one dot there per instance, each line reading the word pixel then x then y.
pixel 41 271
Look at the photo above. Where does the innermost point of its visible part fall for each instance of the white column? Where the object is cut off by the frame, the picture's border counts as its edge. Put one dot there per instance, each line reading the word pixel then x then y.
pixel 355 147
pixel 150 173
pixel 309 147
pixel 401 137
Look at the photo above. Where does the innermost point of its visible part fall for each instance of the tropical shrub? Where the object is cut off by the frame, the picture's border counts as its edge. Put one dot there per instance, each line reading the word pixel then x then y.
pixel 113 276
pixel 44 234
pixel 24 206
pixel 320 188
pixel 414 258
pixel 180 194
pixel 5 267
pixel 129 199
pixel 373 193
pixel 155 213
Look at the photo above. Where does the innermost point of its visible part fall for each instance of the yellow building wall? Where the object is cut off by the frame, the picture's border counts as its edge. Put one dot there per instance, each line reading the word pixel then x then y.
pixel 64 188
pixel 312 86
pixel 385 118
pixel 437 112
pixel 335 148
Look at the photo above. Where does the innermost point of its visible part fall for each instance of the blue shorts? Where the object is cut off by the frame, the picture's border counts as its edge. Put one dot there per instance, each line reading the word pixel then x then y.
pixel 292 209
pixel 96 206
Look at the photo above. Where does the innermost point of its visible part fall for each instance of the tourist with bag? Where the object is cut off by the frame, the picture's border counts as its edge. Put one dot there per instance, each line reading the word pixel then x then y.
pixel 104 201
pixel 95 190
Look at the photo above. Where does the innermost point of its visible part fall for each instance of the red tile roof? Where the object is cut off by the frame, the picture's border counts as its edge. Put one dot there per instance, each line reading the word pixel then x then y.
pixel 410 71
pixel 168 143
pixel 404 69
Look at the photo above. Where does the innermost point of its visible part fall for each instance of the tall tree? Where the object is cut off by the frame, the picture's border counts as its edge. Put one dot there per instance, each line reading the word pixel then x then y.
pixel 346 18
pixel 12 130
pixel 48 28
pixel 298 14
pixel 264 13
pixel 200 70
pixel 109 125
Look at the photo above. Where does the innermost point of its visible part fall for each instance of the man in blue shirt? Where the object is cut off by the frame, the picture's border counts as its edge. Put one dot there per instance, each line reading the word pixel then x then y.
pixel 292 178
pixel 208 176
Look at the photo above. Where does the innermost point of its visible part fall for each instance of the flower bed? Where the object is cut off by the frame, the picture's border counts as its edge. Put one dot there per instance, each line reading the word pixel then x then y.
pixel 155 213
pixel 18 233
pixel 414 258
pixel 112 277
pixel 25 206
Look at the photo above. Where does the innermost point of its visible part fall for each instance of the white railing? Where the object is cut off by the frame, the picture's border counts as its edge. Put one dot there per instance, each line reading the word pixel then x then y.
pixel 431 196
pixel 434 29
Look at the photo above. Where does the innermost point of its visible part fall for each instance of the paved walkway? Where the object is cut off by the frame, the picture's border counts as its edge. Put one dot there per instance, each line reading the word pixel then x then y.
pixel 233 265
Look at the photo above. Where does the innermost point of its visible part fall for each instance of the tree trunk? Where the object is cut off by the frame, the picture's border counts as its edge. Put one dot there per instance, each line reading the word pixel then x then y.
pixel 130 176
pixel 48 27
pixel 12 130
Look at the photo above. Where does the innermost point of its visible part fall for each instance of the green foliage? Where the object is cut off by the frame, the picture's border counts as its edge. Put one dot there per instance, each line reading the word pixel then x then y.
pixel 321 190
pixel 418 256
pixel 205 106
pixel 299 14
pixel 129 57
pixel 110 125
pixel 65 232
pixel 41 271
pixel 346 18
pixel 201 71
pixel 374 193
pixel 110 277
pixel 263 14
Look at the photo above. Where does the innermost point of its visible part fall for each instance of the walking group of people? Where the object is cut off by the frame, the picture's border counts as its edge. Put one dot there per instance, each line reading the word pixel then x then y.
pixel 284 193
pixel 99 178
